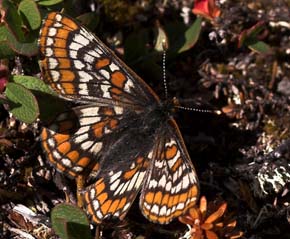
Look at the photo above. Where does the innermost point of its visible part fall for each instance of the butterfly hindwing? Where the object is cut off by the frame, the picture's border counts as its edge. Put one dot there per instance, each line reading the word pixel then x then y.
pixel 114 192
pixel 76 139
pixel 171 184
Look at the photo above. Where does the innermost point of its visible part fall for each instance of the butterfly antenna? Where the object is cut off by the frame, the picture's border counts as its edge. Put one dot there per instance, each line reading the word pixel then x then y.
pixel 164 69
pixel 218 112
pixel 176 103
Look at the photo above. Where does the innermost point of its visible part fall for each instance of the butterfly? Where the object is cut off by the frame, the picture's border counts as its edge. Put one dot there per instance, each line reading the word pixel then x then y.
pixel 121 134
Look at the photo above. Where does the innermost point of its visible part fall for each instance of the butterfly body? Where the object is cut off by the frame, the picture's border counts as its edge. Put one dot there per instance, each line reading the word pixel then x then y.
pixel 136 129
pixel 122 134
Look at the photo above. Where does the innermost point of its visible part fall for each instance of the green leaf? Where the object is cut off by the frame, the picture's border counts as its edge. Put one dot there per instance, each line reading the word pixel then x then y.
pixel 22 102
pixel 48 3
pixel 29 10
pixel 33 83
pixel 12 34
pixel 191 35
pixel 5 49
pixel 260 47
pixel 255 30
pixel 70 222
pixel 13 20
pixel 50 105
pixel 27 49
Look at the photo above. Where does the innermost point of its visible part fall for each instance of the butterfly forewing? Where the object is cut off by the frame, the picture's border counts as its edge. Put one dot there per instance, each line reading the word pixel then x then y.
pixel 79 66
pixel 121 134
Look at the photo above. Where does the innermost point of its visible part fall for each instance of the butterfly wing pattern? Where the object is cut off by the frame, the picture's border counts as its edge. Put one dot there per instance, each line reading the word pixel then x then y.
pixel 170 187
pixel 121 134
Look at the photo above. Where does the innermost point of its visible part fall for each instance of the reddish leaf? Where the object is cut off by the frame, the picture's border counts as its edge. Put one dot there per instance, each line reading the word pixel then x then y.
pixel 206 9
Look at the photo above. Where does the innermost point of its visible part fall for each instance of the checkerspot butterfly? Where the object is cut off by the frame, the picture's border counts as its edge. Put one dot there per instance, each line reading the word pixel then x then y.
pixel 121 133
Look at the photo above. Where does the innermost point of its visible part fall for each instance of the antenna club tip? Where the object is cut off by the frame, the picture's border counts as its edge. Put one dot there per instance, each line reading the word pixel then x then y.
pixel 165 44
pixel 218 112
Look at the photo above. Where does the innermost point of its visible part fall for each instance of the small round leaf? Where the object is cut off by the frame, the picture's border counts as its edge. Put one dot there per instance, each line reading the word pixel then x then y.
pixel 33 83
pixel 49 102
pixel 191 35
pixel 22 102
pixel 29 10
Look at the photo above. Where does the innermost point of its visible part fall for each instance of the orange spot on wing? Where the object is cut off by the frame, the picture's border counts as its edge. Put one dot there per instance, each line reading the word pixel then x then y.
pixel 51 158
pixel 69 23
pixel 73 156
pixel 114 206
pixel 64 63
pixel 63 148
pixel 62 33
pixel 115 91
pixel 98 128
pixel 73 174
pixel 149 197
pixel 175 199
pixel 153 217
pixel 171 152
pixel 102 198
pixel 158 197
pixel 118 79
pixel 106 206
pixel 83 162
pixel 43 37
pixel 163 220
pixel 67 75
pixel 61 43
pixel 87 197
pixel 60 167
pixel 129 174
pixel 95 219
pixel 100 186
pixel 165 199
pixel 170 201
pixel 45 146
pixel 113 123
pixel 146 164
pixel 60 138
pixel 90 209
pixel 194 191
pixel 68 88
pixel 96 168
pixel 122 203
pixel 60 52
pixel 177 164
pixel 44 134
pixel 51 16
pixel 139 160
pixel 102 63
pixel 183 197
pixel 106 111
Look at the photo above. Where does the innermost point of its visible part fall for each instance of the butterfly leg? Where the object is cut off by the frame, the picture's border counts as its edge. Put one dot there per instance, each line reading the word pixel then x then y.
pixel 80 182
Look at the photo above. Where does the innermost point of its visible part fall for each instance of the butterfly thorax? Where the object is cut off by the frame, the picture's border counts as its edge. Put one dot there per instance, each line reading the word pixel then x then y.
pixel 155 115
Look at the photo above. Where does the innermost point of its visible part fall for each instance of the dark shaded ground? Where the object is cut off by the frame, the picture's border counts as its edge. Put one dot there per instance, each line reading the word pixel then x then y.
pixel 241 156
